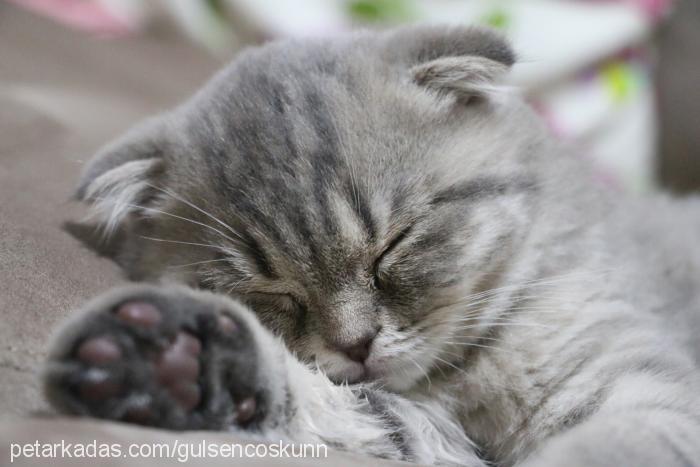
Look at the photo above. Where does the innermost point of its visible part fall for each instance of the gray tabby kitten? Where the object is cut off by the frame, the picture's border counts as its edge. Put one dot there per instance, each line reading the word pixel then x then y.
pixel 378 210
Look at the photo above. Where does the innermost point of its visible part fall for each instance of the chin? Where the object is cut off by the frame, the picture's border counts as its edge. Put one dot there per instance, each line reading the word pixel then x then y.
pixel 393 374
pixel 392 379
pixel 343 372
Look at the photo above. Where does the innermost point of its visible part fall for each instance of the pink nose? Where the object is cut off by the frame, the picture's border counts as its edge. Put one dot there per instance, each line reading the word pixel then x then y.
pixel 359 351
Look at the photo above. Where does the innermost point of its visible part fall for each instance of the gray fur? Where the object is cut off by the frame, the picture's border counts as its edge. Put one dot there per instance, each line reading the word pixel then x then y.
pixel 346 190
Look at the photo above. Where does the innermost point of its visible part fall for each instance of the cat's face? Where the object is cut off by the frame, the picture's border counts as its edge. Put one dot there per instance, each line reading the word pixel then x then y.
pixel 353 193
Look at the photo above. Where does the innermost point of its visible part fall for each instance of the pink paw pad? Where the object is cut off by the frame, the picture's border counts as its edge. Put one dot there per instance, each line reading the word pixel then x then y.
pixel 177 369
pixel 99 351
pixel 140 313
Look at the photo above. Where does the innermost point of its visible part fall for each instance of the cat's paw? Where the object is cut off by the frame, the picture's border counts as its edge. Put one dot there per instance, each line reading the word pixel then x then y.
pixel 163 356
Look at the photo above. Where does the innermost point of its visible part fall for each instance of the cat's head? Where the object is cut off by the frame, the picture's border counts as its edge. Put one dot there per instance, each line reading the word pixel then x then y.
pixel 354 192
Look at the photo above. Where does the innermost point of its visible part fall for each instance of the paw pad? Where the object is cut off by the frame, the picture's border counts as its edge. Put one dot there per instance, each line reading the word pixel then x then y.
pixel 227 325
pixel 99 390
pixel 99 351
pixel 177 369
pixel 245 410
pixel 168 362
pixel 140 313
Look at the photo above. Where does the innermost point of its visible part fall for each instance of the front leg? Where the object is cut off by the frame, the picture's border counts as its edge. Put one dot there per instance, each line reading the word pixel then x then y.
pixel 177 358
pixel 365 419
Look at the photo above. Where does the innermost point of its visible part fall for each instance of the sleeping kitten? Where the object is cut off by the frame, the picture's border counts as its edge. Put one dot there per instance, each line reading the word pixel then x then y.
pixel 378 210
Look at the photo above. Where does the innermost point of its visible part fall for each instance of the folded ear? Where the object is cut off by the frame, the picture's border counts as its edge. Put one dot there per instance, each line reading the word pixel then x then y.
pixel 465 77
pixel 116 183
pixel 464 61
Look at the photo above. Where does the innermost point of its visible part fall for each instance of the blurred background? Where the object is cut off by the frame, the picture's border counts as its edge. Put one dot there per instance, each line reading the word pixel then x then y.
pixel 615 78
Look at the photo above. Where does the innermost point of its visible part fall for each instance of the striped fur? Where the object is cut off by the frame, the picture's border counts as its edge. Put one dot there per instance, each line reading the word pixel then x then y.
pixel 523 314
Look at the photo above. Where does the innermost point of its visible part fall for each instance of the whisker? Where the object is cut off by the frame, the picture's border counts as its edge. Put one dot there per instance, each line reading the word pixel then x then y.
pixel 232 288
pixel 452 365
pixel 206 245
pixel 506 316
pixel 192 205
pixel 421 369
pixel 488 325
pixel 487 338
pixel 198 262
pixel 469 304
pixel 187 219
pixel 483 322
pixel 466 373
pixel 473 344
pixel 440 369
pixel 464 307
pixel 546 281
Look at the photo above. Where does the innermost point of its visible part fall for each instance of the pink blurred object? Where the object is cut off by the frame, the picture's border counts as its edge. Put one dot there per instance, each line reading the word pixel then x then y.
pixel 86 15
pixel 654 9
pixel 657 9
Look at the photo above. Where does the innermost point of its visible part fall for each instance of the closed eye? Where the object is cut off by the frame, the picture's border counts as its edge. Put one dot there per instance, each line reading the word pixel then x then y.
pixel 284 300
pixel 400 237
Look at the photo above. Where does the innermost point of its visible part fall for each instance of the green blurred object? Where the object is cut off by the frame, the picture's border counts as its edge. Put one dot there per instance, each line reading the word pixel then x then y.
pixel 379 11
pixel 217 6
pixel 497 18
pixel 619 80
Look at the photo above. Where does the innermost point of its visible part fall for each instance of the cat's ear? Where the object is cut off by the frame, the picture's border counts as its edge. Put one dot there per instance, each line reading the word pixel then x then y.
pixel 466 62
pixel 118 182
